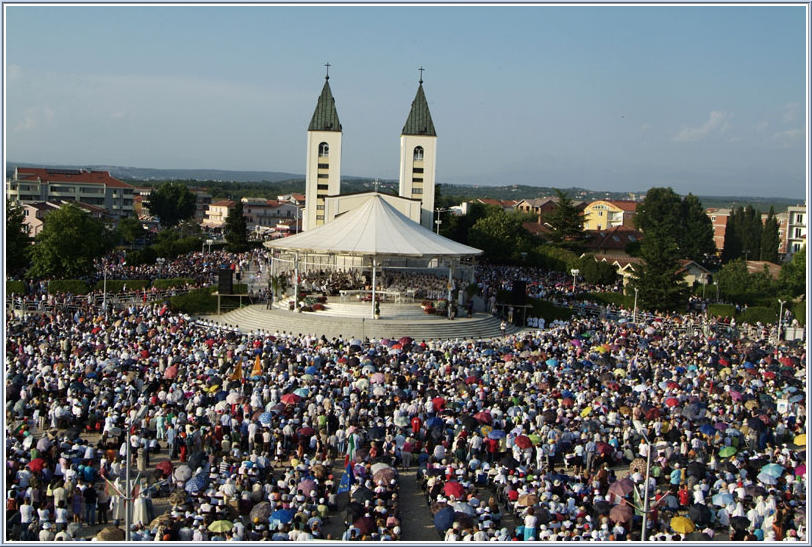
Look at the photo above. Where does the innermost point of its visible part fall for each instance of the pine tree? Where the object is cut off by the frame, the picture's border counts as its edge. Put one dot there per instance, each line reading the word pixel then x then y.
pixel 696 234
pixel 733 240
pixel 660 286
pixel 18 242
pixel 769 238
pixel 566 221
pixel 236 229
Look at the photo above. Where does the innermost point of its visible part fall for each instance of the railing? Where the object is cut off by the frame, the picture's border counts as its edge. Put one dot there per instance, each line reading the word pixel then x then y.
pixel 380 296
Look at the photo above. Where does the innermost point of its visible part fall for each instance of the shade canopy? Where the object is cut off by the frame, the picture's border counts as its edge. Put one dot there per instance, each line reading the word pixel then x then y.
pixel 374 229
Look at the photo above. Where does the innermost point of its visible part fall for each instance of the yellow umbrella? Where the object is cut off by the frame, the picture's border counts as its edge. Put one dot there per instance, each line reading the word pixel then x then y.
pixel 586 412
pixel 219 526
pixel 751 404
pixel 724 372
pixel 214 388
pixel 800 440
pixel 682 525
pixel 601 349
pixel 485 429
pixel 620 372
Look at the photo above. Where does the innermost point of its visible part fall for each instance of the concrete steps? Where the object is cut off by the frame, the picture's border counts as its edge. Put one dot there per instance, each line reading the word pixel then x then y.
pixel 256 317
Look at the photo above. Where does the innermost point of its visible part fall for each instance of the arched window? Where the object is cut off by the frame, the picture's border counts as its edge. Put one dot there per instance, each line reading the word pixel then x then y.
pixel 324 150
pixel 418 153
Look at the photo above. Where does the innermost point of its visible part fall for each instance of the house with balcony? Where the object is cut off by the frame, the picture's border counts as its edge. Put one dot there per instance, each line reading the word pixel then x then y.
pixel 94 188
pixel 606 214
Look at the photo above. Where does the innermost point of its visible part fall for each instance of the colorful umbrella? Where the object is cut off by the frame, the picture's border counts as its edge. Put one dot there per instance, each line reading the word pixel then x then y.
pixel 523 442
pixel 220 526
pixel 621 513
pixel 453 488
pixel 290 398
pixel 621 488
pixel 800 440
pixel 672 401
pixel 682 525
pixel 727 451
pixel 773 469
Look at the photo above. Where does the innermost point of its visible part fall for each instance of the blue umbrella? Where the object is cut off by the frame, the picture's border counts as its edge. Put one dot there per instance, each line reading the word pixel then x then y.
pixel 552 362
pixel 748 364
pixel 311 370
pixel 91 374
pixel 433 422
pixel 680 370
pixel 566 393
pixel 708 429
pixel 444 519
pixel 265 418
pixel 197 483
pixel 281 516
pixel 766 478
pixel 722 499
pixel 773 469
pixel 488 352
pixel 220 396
pixel 302 392
pixel 496 434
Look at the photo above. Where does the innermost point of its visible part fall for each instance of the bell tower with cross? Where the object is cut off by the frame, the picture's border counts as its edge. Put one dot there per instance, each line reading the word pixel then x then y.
pixel 418 156
pixel 323 173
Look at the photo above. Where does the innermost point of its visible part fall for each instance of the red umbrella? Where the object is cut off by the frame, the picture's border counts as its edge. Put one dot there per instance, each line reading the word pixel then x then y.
pixel 165 467
pixel 621 513
pixel 36 464
pixel 523 442
pixel 405 341
pixel 672 401
pixel 306 431
pixel 672 385
pixel 735 395
pixel 653 413
pixel 603 448
pixel 483 417
pixel 769 375
pixel 471 380
pixel 453 488
pixel 566 402
pixel 290 398
pixel 171 372
pixel 438 403
pixel 621 488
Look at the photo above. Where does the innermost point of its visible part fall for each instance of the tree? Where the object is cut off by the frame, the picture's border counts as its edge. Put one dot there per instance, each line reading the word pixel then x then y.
pixel 695 238
pixel 67 245
pixel 769 238
pixel 236 229
pixel 660 286
pixel 733 241
pixel 792 279
pixel 130 230
pixel 459 227
pixel 661 209
pixel 18 242
pixel 171 202
pixel 597 272
pixel 566 221
pixel 500 235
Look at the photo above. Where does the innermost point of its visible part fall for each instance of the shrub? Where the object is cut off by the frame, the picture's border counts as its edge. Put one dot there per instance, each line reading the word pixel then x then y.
pixel 799 311
pixel 549 311
pixel 172 283
pixel 73 286
pixel 553 258
pixel 117 285
pixel 15 287
pixel 195 302
pixel 721 310
pixel 755 314
pixel 613 298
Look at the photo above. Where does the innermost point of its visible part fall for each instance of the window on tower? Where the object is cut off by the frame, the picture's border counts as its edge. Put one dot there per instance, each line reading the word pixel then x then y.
pixel 324 150
pixel 418 153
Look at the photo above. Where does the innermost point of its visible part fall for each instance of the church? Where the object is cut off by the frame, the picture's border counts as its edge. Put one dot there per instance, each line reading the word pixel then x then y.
pixel 418 153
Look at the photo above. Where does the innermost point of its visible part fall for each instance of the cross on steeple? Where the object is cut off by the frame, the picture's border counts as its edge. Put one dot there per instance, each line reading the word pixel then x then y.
pixel 421 69
pixel 328 65
pixel 375 184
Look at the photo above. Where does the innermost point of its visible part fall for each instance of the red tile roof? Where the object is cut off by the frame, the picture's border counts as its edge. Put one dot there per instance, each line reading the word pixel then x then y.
pixel 626 205
pixel 223 203
pixel 74 176
pixel 613 238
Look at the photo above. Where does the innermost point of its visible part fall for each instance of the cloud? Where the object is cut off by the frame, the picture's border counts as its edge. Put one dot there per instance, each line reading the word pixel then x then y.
pixel 786 139
pixel 791 112
pixel 717 122
pixel 34 118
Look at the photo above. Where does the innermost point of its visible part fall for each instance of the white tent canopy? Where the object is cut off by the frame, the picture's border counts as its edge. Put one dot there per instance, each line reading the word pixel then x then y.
pixel 374 229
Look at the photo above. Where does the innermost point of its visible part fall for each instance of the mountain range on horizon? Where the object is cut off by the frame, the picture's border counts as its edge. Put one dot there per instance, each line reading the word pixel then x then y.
pixel 497 191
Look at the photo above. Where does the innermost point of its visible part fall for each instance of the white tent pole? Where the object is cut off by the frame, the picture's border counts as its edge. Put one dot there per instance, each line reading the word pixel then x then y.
pixel 296 281
pixel 450 273
pixel 374 281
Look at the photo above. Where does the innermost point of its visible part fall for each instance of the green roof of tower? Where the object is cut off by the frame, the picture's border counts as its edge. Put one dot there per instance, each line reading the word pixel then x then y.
pixel 419 120
pixel 325 117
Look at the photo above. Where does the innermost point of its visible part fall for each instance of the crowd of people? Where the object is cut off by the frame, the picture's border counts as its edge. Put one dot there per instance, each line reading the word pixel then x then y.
pixel 541 435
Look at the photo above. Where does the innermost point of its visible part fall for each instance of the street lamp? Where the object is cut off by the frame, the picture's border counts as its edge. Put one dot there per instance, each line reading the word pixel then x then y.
pixel 634 316
pixel 574 273
pixel 209 242
pixel 645 493
pixel 780 317
pixel 104 285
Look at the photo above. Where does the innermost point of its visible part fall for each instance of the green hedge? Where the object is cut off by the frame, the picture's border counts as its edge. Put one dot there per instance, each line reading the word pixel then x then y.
pixel 117 285
pixel 196 301
pixel 799 311
pixel 172 283
pixel 73 286
pixel 721 310
pixel 549 311
pixel 613 298
pixel 755 314
pixel 15 287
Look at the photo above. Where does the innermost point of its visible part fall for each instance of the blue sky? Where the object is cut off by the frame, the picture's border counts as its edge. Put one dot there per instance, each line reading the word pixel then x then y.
pixel 709 100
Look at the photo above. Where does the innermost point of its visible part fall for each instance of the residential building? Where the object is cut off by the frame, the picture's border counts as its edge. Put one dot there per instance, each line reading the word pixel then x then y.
pixel 35 212
pixel 605 214
pixel 610 243
pixel 266 213
pixel 202 202
pixel 718 219
pixel 505 204
pixel 537 206
pixel 95 188
pixel 217 213
pixel 796 229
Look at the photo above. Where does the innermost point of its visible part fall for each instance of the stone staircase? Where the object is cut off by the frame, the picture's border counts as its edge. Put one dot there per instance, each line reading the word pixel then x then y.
pixel 257 317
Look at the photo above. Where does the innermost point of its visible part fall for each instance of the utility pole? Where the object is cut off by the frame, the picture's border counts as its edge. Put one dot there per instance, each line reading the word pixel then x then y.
pixel 634 315
pixel 780 318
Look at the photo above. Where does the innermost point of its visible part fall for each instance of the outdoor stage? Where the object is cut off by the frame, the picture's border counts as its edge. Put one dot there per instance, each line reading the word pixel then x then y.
pixel 354 320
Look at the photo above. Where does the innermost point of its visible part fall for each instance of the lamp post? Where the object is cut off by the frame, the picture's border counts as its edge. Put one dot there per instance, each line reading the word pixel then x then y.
pixel 634 314
pixel 645 493
pixel 209 242
pixel 574 273
pixel 780 318
pixel 104 287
